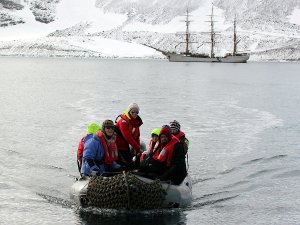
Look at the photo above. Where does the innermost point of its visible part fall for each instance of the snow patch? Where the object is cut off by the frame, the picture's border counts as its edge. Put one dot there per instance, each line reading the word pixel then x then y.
pixel 85 11
pixel 198 17
pixel 114 48
pixel 295 17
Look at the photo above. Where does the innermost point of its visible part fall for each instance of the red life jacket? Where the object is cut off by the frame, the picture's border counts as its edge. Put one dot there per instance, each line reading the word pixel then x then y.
pixel 80 151
pixel 180 135
pixel 152 147
pixel 165 155
pixel 110 152
pixel 181 138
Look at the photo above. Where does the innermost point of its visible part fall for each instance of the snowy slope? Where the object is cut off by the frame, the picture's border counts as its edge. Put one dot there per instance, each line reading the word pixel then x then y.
pixel 269 29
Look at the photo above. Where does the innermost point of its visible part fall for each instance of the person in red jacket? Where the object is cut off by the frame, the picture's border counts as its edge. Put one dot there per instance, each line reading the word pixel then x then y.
pixel 128 135
pixel 92 129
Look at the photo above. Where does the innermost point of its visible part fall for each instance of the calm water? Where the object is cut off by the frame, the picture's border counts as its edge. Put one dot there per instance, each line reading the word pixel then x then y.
pixel 242 121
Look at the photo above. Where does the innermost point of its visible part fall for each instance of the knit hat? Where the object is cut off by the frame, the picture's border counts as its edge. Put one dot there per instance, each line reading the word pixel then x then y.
pixel 155 131
pixel 133 106
pixel 175 127
pixel 107 123
pixel 166 130
pixel 93 128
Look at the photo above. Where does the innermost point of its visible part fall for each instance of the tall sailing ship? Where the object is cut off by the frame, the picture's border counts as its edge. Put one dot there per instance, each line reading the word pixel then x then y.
pixel 187 56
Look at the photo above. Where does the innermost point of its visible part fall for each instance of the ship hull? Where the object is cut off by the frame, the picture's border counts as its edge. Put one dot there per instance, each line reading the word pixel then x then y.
pixel 173 57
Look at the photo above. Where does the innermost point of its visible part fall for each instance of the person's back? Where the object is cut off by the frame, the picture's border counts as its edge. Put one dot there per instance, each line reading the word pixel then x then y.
pixel 92 129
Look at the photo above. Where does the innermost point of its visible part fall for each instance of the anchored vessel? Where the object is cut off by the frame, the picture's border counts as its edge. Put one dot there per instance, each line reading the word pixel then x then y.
pixel 130 191
pixel 187 56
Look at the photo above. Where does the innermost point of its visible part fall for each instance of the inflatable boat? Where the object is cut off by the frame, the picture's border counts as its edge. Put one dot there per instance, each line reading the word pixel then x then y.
pixel 130 191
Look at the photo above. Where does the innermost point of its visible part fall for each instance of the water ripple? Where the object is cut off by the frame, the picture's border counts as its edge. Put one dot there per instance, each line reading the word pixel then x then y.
pixel 276 157
pixel 292 173
pixel 4 186
pixel 10 151
pixel 45 166
pixel 261 172
pixel 212 202
pixel 199 180
pixel 236 184
pixel 229 171
pixel 252 161
pixel 211 195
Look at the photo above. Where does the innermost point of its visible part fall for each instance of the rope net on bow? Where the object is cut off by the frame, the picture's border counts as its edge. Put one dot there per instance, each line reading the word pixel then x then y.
pixel 124 191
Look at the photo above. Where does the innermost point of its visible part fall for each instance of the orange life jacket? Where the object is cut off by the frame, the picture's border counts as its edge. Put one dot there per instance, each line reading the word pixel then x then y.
pixel 165 155
pixel 110 152
pixel 180 135
pixel 152 147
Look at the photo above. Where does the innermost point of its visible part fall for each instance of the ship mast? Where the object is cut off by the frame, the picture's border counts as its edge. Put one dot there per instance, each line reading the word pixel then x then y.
pixel 235 40
pixel 212 33
pixel 187 32
pixel 234 37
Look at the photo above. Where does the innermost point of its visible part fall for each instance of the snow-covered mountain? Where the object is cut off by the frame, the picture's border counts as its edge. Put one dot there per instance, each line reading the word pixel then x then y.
pixel 268 29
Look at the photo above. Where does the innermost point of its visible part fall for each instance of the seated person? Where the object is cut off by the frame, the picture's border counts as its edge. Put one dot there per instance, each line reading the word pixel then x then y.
pixel 153 144
pixel 100 152
pixel 169 163
pixel 175 130
pixel 92 129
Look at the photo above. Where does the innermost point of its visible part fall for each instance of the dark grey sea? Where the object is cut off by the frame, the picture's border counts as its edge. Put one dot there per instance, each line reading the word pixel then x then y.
pixel 242 121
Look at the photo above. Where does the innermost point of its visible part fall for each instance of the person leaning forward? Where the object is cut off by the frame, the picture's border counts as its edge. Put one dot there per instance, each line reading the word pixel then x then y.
pixel 128 135
pixel 100 152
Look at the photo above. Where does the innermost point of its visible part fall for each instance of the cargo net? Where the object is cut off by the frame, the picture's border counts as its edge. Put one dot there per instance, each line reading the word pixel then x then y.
pixel 124 191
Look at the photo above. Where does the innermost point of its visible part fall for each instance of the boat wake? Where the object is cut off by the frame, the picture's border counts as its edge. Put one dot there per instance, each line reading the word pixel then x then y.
pixel 212 202
pixel 57 201
pixel 234 182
